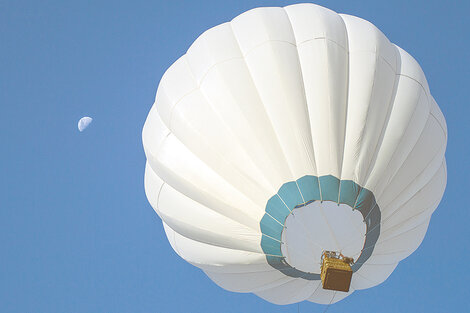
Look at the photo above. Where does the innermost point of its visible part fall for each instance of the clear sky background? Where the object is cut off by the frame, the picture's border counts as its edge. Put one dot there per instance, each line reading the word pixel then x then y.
pixel 76 231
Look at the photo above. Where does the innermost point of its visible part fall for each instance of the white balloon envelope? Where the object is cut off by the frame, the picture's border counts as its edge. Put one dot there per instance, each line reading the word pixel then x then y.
pixel 84 122
pixel 288 132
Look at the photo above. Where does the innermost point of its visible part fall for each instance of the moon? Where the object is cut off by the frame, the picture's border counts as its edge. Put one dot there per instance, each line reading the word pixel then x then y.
pixel 84 122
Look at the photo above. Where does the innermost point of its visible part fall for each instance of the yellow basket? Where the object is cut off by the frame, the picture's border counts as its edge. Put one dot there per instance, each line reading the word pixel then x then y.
pixel 336 274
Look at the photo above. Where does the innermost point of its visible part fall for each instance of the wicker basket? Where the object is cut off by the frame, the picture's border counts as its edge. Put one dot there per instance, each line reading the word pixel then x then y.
pixel 335 274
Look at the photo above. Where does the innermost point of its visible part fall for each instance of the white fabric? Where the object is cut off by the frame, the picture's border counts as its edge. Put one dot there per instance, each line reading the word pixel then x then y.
pixel 272 96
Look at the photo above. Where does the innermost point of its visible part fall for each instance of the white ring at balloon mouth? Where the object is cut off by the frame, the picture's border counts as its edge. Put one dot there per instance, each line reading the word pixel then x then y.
pixel 318 226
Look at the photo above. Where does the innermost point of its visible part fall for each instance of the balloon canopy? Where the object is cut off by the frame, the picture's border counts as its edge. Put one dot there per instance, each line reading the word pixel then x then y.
pixel 289 132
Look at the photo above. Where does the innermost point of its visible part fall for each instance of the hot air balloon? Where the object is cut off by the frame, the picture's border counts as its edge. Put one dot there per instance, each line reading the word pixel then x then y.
pixel 295 153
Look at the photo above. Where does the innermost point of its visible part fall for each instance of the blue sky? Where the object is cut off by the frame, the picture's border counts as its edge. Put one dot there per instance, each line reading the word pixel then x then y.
pixel 76 231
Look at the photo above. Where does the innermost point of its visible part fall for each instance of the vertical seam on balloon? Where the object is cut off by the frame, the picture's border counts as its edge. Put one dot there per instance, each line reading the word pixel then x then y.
pixel 401 137
pixel 279 222
pixel 409 122
pixel 250 199
pixel 170 118
pixel 261 100
pixel 217 199
pixel 373 208
pixel 180 227
pixel 417 81
pixel 309 156
pixel 174 240
pixel 284 101
pixel 427 208
pixel 357 196
pixel 303 200
pixel 287 257
pixel 158 195
pixel 339 191
pixel 332 298
pixel 284 203
pixel 369 280
pixel 363 129
pixel 439 123
pixel 330 153
pixel 431 180
pixel 345 29
pixel 230 59
pixel 365 235
pixel 403 232
pixel 392 103
pixel 313 293
pixel 340 169
pixel 438 152
pixel 372 229
pixel 298 299
pixel 319 188
pixel 164 139
pixel 270 286
pixel 390 106
pixel 228 129
pixel 296 295
pixel 302 80
pixel 426 213
pixel 159 147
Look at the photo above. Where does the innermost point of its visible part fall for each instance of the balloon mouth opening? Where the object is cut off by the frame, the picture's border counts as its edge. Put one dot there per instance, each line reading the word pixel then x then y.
pixel 318 226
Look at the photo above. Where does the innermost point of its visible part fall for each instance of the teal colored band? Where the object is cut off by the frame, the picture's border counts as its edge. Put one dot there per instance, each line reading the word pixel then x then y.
pixel 305 190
